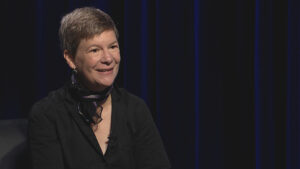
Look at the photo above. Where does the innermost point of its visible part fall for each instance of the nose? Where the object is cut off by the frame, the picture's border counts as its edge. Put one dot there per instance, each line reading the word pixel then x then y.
pixel 107 57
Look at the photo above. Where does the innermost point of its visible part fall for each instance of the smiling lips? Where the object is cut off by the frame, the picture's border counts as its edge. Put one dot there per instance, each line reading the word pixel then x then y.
pixel 105 70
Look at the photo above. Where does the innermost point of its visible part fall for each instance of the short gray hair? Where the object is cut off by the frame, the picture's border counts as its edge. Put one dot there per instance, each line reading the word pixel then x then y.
pixel 83 23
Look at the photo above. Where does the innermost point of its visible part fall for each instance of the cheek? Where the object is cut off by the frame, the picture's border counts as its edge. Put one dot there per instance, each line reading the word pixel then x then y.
pixel 117 58
pixel 79 60
pixel 85 62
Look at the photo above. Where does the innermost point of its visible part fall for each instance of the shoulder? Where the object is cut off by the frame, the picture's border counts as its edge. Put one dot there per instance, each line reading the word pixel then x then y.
pixel 136 110
pixel 130 100
pixel 48 105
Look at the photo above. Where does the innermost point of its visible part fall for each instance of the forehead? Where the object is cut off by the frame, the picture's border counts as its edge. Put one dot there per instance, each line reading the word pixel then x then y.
pixel 106 37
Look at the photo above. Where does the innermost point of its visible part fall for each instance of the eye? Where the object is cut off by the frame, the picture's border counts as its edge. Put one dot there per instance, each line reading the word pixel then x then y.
pixel 95 50
pixel 114 46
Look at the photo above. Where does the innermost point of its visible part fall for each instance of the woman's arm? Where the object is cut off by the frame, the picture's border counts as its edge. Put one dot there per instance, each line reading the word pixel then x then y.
pixel 149 150
pixel 45 149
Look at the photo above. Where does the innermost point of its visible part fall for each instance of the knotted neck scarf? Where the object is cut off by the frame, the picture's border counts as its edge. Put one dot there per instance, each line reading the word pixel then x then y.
pixel 89 102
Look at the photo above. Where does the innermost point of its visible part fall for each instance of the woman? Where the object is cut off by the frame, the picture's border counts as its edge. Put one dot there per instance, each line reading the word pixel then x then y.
pixel 89 123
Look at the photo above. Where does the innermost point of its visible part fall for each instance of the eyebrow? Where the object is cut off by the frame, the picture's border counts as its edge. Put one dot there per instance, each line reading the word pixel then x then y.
pixel 114 42
pixel 95 45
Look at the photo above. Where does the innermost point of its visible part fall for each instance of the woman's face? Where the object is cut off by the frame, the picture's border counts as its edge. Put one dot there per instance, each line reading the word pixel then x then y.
pixel 97 60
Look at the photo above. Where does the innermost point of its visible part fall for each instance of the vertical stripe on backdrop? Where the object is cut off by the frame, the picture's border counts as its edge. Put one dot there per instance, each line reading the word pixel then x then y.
pixel 157 64
pixel 296 80
pixel 293 92
pixel 289 72
pixel 41 78
pixel 125 53
pixel 271 136
pixel 144 40
pixel 257 96
pixel 197 100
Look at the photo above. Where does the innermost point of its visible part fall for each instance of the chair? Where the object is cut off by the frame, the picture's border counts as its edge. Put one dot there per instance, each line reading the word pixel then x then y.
pixel 13 144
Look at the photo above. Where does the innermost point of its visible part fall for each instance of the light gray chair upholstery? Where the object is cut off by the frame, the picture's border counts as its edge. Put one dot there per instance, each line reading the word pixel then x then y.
pixel 13 144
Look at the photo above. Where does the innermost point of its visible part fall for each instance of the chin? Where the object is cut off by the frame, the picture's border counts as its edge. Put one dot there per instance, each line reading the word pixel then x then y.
pixel 104 84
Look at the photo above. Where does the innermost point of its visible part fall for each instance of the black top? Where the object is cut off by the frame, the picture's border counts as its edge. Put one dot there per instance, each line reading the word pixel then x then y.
pixel 59 137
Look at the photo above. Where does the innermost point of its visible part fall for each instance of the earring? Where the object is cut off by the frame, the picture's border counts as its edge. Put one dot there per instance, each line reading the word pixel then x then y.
pixel 73 76
pixel 75 70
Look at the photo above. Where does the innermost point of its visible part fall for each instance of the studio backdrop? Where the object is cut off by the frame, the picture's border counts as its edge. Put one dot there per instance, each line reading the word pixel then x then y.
pixel 220 77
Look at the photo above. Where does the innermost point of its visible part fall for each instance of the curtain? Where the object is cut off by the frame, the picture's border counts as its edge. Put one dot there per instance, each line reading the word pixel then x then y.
pixel 220 77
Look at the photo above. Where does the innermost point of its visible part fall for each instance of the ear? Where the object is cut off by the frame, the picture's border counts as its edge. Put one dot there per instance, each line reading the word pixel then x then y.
pixel 69 59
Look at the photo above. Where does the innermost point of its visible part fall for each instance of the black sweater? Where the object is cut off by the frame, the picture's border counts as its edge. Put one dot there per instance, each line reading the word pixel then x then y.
pixel 59 137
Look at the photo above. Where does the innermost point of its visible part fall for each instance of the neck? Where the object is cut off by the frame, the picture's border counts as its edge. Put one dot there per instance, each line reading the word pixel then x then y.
pixel 107 102
pixel 91 87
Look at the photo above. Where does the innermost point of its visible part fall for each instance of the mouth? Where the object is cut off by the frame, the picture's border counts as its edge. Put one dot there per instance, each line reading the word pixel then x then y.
pixel 105 70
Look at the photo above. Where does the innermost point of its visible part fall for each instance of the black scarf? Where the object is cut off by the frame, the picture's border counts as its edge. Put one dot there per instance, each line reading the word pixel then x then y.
pixel 88 101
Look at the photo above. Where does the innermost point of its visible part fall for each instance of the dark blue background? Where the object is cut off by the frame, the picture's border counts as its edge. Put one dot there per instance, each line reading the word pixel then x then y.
pixel 221 77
